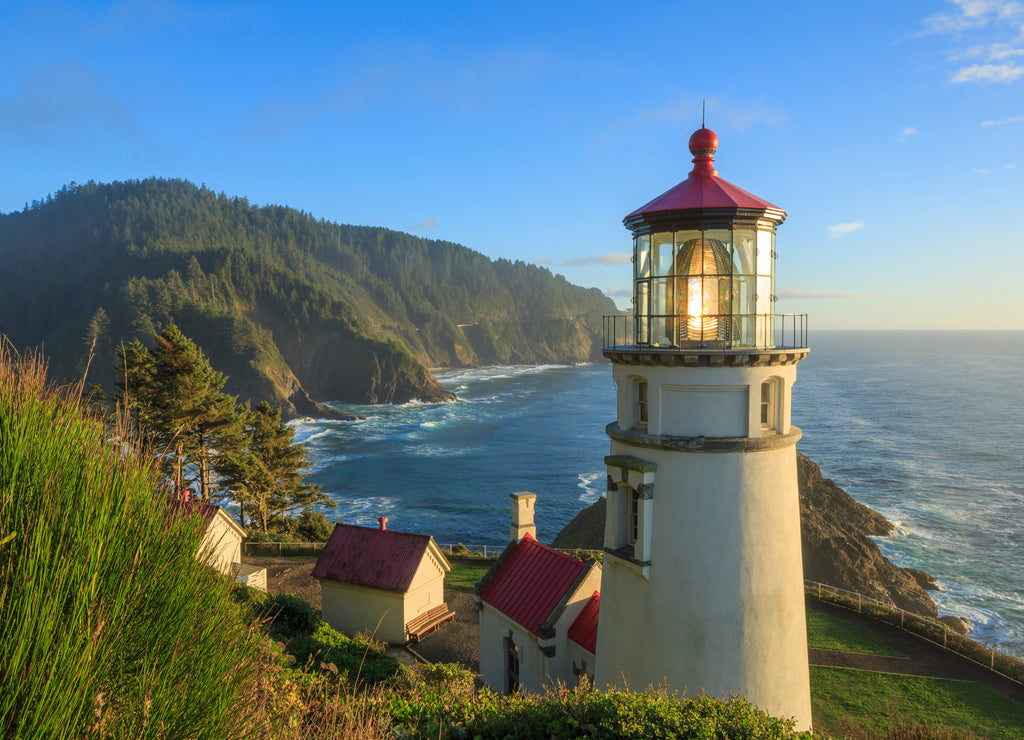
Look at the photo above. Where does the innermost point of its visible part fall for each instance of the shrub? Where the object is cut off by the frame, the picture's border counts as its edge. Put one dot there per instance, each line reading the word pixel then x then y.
pixel 313 526
pixel 292 616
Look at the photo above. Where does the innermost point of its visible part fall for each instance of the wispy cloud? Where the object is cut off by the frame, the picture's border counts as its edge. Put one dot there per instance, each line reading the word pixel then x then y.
pixel 1004 73
pixel 981 171
pixel 428 224
pixel 989 31
pixel 609 258
pixel 844 229
pixel 619 292
pixel 791 294
pixel 906 133
pixel 1014 119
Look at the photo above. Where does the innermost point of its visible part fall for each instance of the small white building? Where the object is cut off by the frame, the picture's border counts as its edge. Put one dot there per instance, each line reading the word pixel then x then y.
pixel 538 612
pixel 221 547
pixel 381 582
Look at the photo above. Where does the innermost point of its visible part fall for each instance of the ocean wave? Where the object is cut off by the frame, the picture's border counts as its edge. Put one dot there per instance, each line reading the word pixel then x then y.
pixel 590 485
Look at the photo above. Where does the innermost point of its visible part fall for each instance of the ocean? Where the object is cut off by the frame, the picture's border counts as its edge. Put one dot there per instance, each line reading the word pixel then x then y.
pixel 925 427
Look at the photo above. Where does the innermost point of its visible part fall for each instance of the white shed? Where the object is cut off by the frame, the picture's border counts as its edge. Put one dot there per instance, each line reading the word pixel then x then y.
pixel 381 582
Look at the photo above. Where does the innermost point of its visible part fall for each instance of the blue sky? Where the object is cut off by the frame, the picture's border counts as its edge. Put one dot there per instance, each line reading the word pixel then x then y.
pixel 892 133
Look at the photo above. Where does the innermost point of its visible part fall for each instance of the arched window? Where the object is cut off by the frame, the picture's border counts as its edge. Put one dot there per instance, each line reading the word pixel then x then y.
pixel 640 407
pixel 770 405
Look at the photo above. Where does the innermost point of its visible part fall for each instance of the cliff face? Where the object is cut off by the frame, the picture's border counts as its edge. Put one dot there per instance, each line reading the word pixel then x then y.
pixel 835 533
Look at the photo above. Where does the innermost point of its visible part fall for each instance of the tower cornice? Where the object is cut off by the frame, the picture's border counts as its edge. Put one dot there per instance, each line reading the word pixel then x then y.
pixel 703 444
pixel 706 358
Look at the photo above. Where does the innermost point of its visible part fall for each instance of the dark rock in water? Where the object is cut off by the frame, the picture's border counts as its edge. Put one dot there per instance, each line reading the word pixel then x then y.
pixel 958 624
pixel 835 533
pixel 924 580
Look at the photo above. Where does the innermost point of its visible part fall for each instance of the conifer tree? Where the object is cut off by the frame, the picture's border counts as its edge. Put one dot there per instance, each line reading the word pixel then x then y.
pixel 175 397
pixel 266 476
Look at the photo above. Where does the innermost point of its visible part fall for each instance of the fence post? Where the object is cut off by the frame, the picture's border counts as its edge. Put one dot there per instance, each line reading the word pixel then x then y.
pixel 858 603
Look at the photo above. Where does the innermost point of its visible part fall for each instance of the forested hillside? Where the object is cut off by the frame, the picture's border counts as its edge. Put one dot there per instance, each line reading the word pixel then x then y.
pixel 290 307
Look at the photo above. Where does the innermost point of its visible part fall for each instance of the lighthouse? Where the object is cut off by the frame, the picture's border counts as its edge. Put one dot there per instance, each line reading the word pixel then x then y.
pixel 702 587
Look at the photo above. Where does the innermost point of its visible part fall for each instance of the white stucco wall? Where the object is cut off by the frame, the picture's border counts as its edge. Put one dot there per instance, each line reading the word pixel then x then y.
pixel 426 590
pixel 222 543
pixel 723 608
pixel 352 609
pixel 494 627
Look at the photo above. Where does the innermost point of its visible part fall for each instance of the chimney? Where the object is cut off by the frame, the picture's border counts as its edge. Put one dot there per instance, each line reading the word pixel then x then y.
pixel 383 521
pixel 522 515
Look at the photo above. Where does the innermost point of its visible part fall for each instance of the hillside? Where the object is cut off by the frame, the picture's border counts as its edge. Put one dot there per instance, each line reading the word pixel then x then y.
pixel 290 307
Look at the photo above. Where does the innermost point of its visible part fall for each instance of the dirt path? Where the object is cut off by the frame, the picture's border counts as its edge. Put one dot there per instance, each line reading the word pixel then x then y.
pixel 458 641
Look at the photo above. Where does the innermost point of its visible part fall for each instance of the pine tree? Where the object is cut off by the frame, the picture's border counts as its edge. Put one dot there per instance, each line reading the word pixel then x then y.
pixel 266 477
pixel 176 399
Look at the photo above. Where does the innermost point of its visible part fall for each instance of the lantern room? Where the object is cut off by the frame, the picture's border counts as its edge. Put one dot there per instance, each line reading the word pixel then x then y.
pixel 704 262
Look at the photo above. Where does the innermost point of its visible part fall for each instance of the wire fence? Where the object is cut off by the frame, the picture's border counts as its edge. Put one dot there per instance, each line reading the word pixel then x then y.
pixel 926 628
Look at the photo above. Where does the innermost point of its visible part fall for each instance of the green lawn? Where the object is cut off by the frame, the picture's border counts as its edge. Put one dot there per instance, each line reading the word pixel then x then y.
pixel 465 577
pixel 831 633
pixel 845 700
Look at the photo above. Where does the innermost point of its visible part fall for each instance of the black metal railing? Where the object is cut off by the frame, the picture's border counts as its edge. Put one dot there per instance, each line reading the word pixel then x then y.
pixel 720 332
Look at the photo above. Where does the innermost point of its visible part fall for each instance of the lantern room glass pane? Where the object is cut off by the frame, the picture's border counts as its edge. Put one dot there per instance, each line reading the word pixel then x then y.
pixel 661 297
pixel 764 294
pixel 765 243
pixel 661 331
pixel 688 236
pixel 743 252
pixel 722 240
pixel 643 256
pixel 642 309
pixel 662 254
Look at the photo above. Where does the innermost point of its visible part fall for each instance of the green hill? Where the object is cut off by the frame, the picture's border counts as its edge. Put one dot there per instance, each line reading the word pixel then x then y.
pixel 289 306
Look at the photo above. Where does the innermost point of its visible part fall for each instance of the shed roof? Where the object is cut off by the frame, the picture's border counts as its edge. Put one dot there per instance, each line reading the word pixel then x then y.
pixel 531 582
pixel 180 508
pixel 378 558
pixel 584 630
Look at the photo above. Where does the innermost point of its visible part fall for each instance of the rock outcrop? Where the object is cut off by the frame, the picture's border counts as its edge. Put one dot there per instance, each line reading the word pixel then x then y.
pixel 835 533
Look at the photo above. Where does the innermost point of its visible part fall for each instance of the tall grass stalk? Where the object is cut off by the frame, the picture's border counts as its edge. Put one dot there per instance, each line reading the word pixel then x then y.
pixel 109 627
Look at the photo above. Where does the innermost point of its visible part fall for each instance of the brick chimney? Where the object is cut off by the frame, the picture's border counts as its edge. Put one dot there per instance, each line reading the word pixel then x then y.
pixel 522 515
pixel 383 521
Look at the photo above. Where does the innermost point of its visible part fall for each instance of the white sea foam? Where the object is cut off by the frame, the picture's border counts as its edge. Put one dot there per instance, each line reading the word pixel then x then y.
pixel 590 486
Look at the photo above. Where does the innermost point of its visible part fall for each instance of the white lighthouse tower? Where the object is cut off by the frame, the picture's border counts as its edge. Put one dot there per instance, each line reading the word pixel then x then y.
pixel 703 579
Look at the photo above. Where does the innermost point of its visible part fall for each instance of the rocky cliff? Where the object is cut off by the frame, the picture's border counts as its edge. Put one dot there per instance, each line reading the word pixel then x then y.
pixel 835 533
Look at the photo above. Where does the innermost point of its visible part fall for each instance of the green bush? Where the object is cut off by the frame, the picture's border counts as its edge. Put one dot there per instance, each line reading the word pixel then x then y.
pixel 583 712
pixel 292 616
pixel 313 526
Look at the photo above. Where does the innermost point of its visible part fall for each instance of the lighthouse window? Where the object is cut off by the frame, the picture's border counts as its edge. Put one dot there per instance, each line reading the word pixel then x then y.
pixel 641 405
pixel 634 517
pixel 768 405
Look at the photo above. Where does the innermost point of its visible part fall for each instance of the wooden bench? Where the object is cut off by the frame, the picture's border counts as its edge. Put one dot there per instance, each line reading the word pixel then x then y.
pixel 428 621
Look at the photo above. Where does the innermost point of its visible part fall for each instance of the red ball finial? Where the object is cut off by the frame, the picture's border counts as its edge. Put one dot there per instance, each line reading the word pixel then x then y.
pixel 703 141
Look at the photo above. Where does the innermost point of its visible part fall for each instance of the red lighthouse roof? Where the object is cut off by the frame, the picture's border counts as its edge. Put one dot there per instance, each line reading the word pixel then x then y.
pixel 703 189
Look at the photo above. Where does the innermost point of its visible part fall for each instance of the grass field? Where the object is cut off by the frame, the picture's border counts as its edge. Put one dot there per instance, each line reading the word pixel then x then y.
pixel 830 633
pixel 465 577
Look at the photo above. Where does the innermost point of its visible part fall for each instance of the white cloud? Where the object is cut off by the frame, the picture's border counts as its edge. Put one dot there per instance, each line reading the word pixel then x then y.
pixel 1014 119
pixel 619 292
pixel 844 229
pixel 982 171
pixel 1005 73
pixel 428 224
pixel 1009 166
pixel 906 133
pixel 991 31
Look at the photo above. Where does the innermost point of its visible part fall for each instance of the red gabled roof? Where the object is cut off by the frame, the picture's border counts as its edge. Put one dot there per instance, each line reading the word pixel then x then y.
pixel 703 189
pixel 378 558
pixel 584 630
pixel 531 582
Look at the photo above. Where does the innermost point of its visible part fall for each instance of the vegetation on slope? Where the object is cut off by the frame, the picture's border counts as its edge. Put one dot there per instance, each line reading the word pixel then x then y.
pixel 108 625
pixel 288 306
